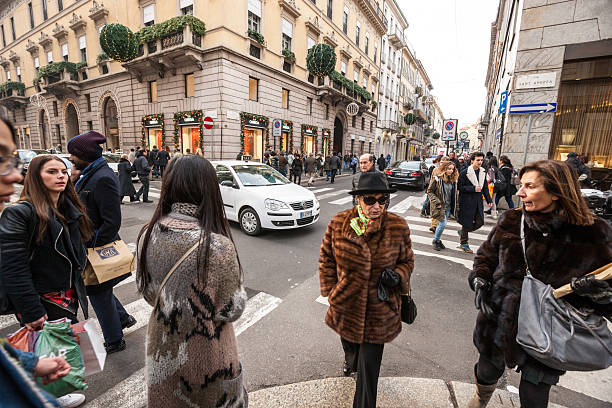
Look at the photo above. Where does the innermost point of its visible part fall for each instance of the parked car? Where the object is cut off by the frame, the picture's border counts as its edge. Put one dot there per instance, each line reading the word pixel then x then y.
pixel 408 173
pixel 26 155
pixel 259 197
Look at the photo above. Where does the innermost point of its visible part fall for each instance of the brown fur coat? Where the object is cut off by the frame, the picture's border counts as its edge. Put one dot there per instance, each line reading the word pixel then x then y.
pixel 556 251
pixel 349 267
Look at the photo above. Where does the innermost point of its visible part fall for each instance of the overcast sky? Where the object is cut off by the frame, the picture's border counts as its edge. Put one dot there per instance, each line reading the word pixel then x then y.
pixel 451 38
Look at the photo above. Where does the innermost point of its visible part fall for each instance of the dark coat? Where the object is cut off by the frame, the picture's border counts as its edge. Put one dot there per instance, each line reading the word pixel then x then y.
pixel 141 166
pixel 470 202
pixel 296 166
pixel 335 163
pixel 556 251
pixel 30 268
pixel 510 188
pixel 282 162
pixel 382 163
pixel 349 268
pixel 435 193
pixel 310 164
pixel 163 157
pixel 126 187
pixel 99 191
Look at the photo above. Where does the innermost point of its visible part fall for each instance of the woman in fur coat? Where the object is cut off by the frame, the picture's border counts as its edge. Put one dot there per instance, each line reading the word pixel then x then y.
pixel 358 246
pixel 442 193
pixel 564 241
pixel 191 355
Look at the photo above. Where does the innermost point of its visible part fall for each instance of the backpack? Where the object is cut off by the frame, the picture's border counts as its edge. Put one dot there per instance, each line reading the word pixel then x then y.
pixel 499 182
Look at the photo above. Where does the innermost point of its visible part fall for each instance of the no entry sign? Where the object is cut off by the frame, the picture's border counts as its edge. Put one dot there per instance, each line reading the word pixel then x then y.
pixel 208 122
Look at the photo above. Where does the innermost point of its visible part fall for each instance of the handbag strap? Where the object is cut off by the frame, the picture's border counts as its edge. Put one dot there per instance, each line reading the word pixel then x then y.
pixel 171 271
pixel 523 243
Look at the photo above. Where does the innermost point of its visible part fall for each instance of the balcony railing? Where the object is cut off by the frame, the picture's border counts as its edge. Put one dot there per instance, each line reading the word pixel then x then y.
pixel 388 125
pixel 337 91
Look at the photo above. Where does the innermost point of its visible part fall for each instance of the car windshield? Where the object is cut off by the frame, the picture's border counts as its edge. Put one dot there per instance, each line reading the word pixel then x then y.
pixel 27 155
pixel 408 165
pixel 111 158
pixel 259 176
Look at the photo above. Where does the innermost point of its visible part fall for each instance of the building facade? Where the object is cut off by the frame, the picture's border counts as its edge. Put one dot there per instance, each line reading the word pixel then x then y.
pixel 545 53
pixel 244 71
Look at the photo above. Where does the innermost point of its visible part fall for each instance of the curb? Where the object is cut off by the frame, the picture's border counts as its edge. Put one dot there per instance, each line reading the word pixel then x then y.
pixel 393 392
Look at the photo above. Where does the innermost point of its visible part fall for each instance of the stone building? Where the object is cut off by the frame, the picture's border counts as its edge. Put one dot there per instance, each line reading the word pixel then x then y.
pixel 546 52
pixel 247 69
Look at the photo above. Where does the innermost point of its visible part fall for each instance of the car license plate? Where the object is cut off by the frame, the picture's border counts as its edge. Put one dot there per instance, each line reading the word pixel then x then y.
pixel 305 214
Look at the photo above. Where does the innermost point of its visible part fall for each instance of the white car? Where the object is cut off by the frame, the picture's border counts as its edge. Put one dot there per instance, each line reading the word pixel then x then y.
pixel 259 197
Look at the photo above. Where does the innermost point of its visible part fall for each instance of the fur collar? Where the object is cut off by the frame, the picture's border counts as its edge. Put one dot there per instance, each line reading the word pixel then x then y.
pixel 544 222
pixel 471 175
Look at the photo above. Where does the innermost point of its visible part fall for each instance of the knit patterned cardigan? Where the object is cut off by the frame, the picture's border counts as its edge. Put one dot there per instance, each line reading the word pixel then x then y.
pixel 191 354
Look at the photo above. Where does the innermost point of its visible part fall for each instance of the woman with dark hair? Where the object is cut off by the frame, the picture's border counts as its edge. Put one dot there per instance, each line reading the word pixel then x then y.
pixel 296 169
pixel 189 271
pixel 563 242
pixel 42 249
pixel 506 170
pixel 442 193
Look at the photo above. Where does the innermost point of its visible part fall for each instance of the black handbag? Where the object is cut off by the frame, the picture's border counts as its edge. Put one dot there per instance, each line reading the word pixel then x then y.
pixel 409 309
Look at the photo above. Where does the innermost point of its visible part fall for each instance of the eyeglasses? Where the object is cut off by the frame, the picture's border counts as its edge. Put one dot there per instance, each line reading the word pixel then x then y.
pixel 371 200
pixel 8 163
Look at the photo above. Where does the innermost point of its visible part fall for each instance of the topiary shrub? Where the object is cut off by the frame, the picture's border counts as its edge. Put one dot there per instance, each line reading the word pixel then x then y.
pixel 119 42
pixel 321 60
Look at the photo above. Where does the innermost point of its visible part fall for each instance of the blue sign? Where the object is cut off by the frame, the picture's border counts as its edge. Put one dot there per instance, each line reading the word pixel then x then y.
pixel 534 108
pixel 503 102
pixel 498 134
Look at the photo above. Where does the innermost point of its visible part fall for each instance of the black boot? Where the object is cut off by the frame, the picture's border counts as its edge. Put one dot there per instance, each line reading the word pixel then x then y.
pixel 437 245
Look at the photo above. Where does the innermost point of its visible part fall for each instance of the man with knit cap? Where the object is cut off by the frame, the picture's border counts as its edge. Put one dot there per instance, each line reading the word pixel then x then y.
pixel 98 189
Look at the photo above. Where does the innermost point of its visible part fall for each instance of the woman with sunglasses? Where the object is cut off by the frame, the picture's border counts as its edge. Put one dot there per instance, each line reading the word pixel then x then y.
pixel 358 246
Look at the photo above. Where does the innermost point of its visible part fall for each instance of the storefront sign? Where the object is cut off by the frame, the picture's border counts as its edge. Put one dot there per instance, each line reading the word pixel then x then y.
pixel 253 122
pixel 152 123
pixel 188 120
pixel 326 133
pixel 308 131
pixel 286 128
pixel 362 138
pixel 544 80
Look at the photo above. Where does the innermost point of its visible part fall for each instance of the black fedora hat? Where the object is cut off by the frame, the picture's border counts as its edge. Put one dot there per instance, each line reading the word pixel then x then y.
pixel 372 182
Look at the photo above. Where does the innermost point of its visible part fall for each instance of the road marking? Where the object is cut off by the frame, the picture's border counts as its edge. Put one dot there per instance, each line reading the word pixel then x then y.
pixel 132 391
pixel 465 262
pixel 452 233
pixel 419 239
pixel 333 193
pixel 405 205
pixel 322 190
pixel 449 224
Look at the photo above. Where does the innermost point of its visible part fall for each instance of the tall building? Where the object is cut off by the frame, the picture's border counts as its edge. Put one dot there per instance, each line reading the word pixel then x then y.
pixel 243 65
pixel 545 53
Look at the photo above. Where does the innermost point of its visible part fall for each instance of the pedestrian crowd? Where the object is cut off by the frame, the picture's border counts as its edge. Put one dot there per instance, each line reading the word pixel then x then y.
pixel 196 285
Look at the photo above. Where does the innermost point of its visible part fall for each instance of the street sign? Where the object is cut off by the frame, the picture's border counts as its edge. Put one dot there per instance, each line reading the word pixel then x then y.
pixel 503 102
pixel 498 134
pixel 534 108
pixel 449 130
pixel 276 127
pixel 208 122
pixel 463 135
pixel 543 80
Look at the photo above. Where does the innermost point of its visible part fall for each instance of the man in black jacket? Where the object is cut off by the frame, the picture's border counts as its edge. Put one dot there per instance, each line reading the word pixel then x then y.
pixel 335 164
pixel 163 157
pixel 141 167
pixel 98 189
pixel 154 160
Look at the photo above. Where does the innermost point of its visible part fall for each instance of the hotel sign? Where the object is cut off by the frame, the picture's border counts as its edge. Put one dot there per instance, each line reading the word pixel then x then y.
pixel 544 80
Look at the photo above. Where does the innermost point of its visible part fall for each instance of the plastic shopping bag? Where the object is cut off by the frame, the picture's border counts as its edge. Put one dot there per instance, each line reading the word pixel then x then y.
pixel 92 346
pixel 23 339
pixel 56 339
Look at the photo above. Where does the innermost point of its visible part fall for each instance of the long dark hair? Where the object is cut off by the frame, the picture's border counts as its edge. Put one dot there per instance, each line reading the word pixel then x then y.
pixel 35 192
pixel 492 163
pixel 188 179
pixel 505 161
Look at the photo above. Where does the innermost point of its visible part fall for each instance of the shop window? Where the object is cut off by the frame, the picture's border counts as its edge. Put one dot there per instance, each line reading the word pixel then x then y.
pixel 88 102
pixel 55 108
pixel 189 87
pixel 60 5
pixel 186 7
pixel 254 15
pixel 309 105
pixel 327 111
pixel 330 8
pixel 44 9
pixel 152 91
pixel 255 51
pixel 253 89
pixel 31 12
pixel 190 138
pixel 148 15
pixel 253 143
pixel 285 99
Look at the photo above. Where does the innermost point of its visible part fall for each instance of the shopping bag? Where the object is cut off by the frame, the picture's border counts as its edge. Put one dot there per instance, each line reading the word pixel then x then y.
pixel 92 346
pixel 23 339
pixel 56 339
pixel 107 262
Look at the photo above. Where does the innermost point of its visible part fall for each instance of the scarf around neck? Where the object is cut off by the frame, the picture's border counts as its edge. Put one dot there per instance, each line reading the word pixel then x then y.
pixel 471 175
pixel 361 223
pixel 89 169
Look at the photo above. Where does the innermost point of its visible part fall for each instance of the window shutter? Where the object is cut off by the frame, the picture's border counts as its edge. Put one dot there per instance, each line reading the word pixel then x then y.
pixel 255 7
pixel 64 50
pixel 356 76
pixel 49 56
pixel 8 75
pixel 18 70
pixel 310 43
pixel 148 13
pixel 82 42
pixel 185 3
pixel 287 28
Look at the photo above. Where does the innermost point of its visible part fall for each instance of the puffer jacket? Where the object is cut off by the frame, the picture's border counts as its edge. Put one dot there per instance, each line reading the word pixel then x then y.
pixel 556 251
pixel 349 268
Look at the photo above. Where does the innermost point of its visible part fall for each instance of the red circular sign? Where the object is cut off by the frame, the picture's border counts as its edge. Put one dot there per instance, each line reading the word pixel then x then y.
pixel 208 122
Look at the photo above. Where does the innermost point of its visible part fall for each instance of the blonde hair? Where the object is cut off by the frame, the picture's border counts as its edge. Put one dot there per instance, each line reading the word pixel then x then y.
pixel 124 156
pixel 442 172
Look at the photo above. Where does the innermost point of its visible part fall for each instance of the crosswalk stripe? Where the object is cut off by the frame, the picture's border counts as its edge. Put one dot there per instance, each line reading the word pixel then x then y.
pixel 333 193
pixel 452 233
pixel 419 239
pixel 450 224
pixel 405 204
pixel 322 190
pixel 131 392
pixel 465 262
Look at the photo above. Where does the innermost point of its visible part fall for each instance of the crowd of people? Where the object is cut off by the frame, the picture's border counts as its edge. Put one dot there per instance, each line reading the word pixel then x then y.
pixel 366 261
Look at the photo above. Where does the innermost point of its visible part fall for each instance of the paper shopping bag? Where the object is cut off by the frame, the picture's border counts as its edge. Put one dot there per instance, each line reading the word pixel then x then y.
pixel 92 346
pixel 107 262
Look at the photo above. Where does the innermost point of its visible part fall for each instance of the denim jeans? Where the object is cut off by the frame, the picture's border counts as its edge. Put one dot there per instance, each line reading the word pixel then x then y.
pixel 441 225
pixel 424 209
pixel 144 188
pixel 508 200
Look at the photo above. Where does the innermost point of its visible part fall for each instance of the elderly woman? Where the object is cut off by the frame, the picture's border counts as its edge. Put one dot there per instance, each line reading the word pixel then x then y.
pixel 563 242
pixel 126 187
pixel 358 246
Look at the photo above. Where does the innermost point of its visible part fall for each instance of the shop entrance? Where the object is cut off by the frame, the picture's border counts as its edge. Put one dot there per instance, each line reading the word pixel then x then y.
pixel 154 137
pixel 338 135
pixel 111 124
pixel 190 139
pixel 308 145
pixel 284 145
pixel 253 143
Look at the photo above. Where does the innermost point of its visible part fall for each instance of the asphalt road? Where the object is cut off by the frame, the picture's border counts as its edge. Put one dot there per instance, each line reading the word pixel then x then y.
pixel 283 338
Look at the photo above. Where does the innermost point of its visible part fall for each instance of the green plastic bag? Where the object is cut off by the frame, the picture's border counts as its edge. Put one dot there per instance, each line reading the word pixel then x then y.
pixel 56 339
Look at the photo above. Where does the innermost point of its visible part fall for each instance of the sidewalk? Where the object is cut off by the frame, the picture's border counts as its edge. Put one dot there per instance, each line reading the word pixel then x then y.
pixel 393 392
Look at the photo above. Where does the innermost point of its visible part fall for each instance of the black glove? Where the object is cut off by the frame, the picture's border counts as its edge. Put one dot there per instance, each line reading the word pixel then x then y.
pixel 388 279
pixel 599 291
pixel 481 289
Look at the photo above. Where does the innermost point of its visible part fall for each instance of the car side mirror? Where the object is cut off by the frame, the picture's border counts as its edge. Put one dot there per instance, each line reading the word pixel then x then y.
pixel 229 183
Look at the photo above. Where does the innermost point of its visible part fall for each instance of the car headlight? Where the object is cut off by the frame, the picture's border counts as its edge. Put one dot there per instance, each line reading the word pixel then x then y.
pixel 274 205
